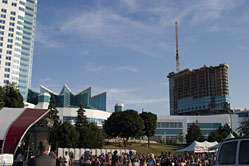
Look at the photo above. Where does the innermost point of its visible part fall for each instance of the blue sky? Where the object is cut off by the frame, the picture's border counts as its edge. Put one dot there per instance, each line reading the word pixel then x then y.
pixel 127 47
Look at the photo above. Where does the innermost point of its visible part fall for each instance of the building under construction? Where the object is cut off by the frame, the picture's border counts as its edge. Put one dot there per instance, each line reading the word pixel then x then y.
pixel 200 91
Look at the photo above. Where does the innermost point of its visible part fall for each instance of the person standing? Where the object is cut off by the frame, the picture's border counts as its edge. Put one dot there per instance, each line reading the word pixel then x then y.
pixel 66 159
pixel 43 158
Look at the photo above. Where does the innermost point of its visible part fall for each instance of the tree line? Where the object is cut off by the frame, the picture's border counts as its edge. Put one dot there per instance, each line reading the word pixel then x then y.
pixel 123 124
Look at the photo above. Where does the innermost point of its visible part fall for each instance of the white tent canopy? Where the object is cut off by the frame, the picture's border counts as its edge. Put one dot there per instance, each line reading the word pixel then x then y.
pixel 198 147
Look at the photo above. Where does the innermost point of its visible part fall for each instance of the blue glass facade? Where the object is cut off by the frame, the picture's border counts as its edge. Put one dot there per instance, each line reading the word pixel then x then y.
pixel 66 99
pixel 169 131
pixel 206 128
pixel 74 119
pixel 27 48
pixel 194 104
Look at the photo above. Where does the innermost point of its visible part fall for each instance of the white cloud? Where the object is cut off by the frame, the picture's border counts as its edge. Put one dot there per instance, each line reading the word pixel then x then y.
pixel 94 68
pixel 43 36
pixel 127 68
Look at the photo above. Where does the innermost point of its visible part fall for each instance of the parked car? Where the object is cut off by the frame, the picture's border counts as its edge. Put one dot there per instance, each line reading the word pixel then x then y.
pixel 233 152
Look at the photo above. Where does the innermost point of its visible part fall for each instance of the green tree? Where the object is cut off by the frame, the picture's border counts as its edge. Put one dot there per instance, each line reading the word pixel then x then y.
pixel 12 98
pixel 124 124
pixel 81 118
pixel 91 136
pixel 68 136
pixel 1 97
pixel 215 136
pixel 221 133
pixel 180 137
pixel 244 128
pixel 194 134
pixel 55 130
pixel 150 120
pixel 53 112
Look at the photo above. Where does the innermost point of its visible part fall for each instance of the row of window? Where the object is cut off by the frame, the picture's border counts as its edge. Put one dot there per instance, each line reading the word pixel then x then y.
pixel 169 124
pixel 6 2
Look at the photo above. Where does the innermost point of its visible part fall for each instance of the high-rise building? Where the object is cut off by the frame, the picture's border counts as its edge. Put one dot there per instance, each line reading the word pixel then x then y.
pixel 17 26
pixel 200 91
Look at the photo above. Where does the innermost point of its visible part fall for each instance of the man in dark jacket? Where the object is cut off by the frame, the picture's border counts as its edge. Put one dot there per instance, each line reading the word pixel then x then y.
pixel 43 159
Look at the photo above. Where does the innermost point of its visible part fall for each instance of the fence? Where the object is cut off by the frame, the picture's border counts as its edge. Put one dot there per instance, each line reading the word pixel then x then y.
pixel 79 152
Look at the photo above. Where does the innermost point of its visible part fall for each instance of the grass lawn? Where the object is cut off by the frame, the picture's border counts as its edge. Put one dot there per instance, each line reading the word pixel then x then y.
pixel 154 148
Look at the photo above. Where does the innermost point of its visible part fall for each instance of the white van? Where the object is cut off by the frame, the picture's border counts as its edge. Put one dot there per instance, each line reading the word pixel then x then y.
pixel 233 152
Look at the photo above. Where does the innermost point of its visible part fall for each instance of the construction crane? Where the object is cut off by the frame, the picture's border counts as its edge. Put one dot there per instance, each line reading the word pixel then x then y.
pixel 177 57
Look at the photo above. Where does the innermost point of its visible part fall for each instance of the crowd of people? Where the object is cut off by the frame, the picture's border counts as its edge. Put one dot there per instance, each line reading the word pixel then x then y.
pixel 166 159
pixel 125 159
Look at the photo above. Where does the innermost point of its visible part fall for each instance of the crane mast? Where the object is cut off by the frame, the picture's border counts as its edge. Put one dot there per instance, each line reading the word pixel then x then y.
pixel 177 56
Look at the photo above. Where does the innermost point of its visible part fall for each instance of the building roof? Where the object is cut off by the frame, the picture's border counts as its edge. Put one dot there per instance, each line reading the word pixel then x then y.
pixel 14 123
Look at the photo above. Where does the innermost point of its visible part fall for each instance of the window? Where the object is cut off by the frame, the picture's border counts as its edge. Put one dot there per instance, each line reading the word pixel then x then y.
pixel 13 4
pixel 5 1
pixel 3 15
pixel 19 28
pixel 20 17
pixel 8 58
pixel 1 32
pixel 1 38
pixel 3 10
pixel 12 18
pixel 18 38
pixel 18 44
pixel 243 152
pixel 7 63
pixel 26 43
pixel 2 21
pixel 30 1
pixel 12 24
pixel 27 38
pixel 29 8
pixel 6 76
pixel 11 29
pixel 1 44
pixel 26 27
pixel 31 15
pixel 21 8
pixel 19 33
pixel 10 34
pixel 10 40
pixel 9 46
pixel 19 22
pixel 22 3
pixel 227 154
pixel 7 70
pixel 2 27
pixel 13 13
pixel 27 33
pixel 9 52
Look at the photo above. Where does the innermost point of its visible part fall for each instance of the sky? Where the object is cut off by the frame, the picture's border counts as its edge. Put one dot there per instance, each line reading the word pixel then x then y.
pixel 127 47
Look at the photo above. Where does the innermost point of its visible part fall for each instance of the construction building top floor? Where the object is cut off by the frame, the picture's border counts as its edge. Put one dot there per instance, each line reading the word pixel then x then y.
pixel 199 91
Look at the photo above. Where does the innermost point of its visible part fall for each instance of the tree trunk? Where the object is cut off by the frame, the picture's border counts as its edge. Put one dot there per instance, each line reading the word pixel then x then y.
pixel 148 141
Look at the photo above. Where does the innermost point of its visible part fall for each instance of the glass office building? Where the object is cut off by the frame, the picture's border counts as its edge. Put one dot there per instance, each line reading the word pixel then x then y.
pixel 17 26
pixel 67 99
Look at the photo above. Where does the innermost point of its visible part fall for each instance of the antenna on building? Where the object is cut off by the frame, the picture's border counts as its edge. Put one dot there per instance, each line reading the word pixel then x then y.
pixel 177 57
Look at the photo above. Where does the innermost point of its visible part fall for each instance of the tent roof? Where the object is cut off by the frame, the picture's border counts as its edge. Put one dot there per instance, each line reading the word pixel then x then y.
pixel 14 126
pixel 198 147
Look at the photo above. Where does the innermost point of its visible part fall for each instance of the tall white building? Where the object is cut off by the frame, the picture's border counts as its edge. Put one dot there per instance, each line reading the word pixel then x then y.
pixel 17 26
